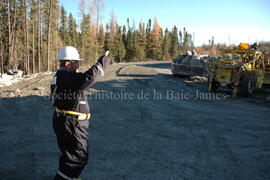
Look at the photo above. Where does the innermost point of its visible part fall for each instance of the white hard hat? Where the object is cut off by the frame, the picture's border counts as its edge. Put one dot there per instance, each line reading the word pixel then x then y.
pixel 68 53
pixel 189 53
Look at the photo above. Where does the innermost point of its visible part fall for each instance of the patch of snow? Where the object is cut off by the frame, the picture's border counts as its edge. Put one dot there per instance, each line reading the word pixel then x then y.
pixel 7 80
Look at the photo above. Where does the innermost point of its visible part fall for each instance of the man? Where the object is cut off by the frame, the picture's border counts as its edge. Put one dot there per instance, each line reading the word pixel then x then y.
pixel 71 116
pixel 254 46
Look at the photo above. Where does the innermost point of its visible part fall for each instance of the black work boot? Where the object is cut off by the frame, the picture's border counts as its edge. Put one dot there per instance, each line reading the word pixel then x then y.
pixel 58 177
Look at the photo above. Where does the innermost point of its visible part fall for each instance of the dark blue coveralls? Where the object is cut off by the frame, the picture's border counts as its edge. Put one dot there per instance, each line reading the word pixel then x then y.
pixel 67 92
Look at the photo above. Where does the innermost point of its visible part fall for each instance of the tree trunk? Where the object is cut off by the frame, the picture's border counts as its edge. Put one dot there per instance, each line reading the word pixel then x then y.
pixel 1 56
pixel 39 36
pixel 14 60
pixel 16 52
pixel 9 33
pixel 96 39
pixel 33 48
pixel 1 51
pixel 27 67
pixel 56 41
pixel 48 35
pixel 33 40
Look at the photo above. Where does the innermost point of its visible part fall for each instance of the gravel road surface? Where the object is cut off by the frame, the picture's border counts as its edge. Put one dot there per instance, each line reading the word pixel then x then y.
pixel 155 127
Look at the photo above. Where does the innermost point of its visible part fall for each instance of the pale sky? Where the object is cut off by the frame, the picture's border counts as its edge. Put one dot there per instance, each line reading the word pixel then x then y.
pixel 231 21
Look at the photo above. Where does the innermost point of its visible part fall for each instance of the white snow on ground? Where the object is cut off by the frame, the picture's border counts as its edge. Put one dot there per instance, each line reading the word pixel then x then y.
pixel 7 80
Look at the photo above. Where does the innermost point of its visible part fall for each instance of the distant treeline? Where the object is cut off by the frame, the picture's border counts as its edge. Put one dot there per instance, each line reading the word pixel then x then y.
pixel 32 32
pixel 218 49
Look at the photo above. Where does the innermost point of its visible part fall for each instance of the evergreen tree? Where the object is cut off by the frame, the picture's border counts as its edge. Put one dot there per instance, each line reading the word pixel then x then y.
pixel 148 27
pixel 154 42
pixel 63 26
pixel 187 43
pixel 180 38
pixel 129 46
pixel 166 46
pixel 72 40
pixel 85 44
pixel 174 48
pixel 56 42
pixel 100 40
pixel 119 45
pixel 142 37
pixel 148 38
pixel 112 37
pixel 134 51
pixel 124 36
pixel 139 52
pixel 108 43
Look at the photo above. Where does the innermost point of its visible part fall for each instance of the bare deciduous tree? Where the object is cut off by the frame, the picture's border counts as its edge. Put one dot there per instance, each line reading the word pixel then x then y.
pixel 48 35
pixel 1 56
pixel 95 9
pixel 34 21
pixel 9 32
pixel 39 35
pixel 27 67
pixel 82 8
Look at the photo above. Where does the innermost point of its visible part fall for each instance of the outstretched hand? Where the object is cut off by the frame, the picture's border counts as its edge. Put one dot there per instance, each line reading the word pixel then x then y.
pixel 107 53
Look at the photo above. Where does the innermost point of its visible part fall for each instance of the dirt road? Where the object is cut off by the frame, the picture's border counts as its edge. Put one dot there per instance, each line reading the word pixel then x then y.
pixel 155 127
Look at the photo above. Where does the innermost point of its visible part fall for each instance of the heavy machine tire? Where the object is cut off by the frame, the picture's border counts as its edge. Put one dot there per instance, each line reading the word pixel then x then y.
pixel 249 84
pixel 214 85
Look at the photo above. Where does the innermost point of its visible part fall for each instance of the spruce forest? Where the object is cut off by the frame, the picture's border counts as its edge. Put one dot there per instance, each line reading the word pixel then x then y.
pixel 32 32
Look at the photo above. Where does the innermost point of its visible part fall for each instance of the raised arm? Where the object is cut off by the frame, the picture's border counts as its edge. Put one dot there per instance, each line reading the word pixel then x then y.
pixel 96 71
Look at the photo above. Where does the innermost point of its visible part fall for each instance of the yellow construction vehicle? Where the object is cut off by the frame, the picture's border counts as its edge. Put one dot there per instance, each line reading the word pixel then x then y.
pixel 242 69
